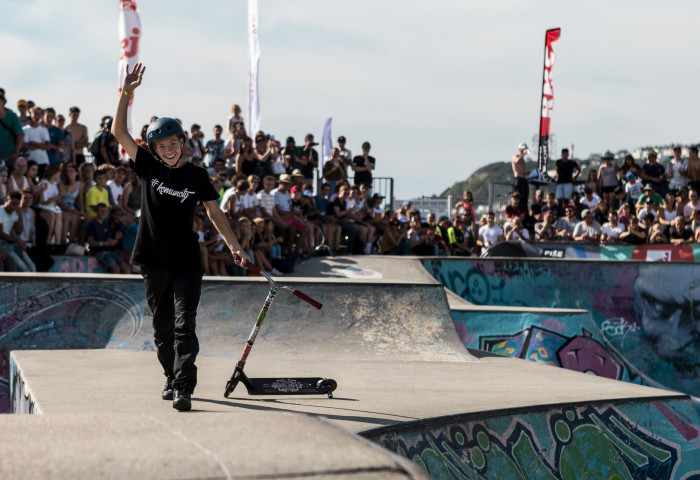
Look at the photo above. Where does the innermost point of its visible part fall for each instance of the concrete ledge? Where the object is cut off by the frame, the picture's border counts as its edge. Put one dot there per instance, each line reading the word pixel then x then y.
pixel 238 444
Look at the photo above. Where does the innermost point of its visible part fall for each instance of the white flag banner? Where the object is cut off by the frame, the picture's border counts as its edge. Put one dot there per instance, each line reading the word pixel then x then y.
pixel 254 57
pixel 129 36
pixel 327 141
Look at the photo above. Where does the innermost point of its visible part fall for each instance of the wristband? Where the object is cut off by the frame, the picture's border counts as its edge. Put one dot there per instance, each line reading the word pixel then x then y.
pixel 126 93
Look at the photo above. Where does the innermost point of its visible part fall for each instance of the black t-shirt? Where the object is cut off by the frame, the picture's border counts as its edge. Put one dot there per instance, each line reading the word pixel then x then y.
pixel 363 177
pixel 165 238
pixel 99 232
pixel 337 202
pixel 308 169
pixel 565 171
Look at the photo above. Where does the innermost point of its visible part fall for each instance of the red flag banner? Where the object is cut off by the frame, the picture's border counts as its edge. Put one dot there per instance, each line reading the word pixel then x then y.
pixel 129 37
pixel 547 99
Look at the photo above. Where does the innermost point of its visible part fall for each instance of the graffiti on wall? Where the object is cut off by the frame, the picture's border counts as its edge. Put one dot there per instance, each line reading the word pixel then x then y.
pixel 561 342
pixel 591 442
pixel 647 312
pixel 68 315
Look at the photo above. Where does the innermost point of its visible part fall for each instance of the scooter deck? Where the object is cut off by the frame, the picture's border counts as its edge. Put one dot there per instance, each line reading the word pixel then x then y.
pixel 281 385
pixel 289 386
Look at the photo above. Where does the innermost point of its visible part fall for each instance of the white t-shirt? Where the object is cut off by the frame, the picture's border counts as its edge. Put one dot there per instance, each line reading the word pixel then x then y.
pixel 490 234
pixel 613 232
pixel 591 204
pixel 278 165
pixel 117 191
pixel 7 220
pixel 231 192
pixel 38 135
pixel 515 236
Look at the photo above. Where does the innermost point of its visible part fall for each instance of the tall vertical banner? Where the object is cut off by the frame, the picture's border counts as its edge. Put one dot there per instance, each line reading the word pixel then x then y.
pixel 129 37
pixel 254 58
pixel 547 101
pixel 326 141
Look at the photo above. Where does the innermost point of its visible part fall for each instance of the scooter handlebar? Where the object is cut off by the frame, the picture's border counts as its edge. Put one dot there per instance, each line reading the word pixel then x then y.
pixel 307 299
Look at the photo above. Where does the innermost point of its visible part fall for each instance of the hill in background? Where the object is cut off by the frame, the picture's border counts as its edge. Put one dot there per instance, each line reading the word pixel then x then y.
pixel 478 182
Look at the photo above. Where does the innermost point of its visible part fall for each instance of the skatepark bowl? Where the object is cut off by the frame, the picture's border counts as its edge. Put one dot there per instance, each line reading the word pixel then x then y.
pixel 450 387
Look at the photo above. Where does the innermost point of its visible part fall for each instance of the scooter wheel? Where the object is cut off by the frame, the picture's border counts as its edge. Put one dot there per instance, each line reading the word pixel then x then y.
pixel 327 385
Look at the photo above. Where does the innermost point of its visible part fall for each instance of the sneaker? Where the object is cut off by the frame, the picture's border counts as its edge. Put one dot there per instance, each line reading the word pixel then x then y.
pixel 168 389
pixel 276 272
pixel 182 401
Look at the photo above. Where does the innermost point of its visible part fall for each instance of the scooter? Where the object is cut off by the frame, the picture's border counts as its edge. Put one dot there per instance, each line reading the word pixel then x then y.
pixel 276 385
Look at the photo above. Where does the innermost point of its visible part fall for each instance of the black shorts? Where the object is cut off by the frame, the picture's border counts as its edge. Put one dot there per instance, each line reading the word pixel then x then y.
pixel 609 189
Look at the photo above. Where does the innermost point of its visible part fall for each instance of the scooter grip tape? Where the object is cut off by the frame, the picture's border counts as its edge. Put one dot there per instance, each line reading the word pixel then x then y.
pixel 307 299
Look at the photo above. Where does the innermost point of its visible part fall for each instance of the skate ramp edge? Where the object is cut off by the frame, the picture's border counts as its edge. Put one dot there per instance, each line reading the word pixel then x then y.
pixel 187 446
pixel 644 438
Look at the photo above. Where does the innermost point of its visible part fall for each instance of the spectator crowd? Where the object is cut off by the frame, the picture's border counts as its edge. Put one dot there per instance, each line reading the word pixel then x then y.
pixel 60 199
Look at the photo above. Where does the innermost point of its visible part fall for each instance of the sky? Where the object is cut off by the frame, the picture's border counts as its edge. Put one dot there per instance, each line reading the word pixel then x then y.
pixel 439 88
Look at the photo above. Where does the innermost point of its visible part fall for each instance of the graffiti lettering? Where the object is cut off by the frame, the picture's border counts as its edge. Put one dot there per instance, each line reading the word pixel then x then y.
pixel 617 327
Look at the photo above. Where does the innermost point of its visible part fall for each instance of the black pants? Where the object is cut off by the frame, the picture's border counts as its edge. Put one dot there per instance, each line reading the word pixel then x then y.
pixel 521 186
pixel 173 298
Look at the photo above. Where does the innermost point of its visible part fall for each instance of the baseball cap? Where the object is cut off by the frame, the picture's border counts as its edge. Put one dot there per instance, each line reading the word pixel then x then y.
pixel 377 195
pixel 285 178
pixel 630 175
pixel 584 213
pixel 296 171
pixel 295 188
pixel 341 139
pixel 523 145
pixel 608 155
pixel 21 103
pixel 647 187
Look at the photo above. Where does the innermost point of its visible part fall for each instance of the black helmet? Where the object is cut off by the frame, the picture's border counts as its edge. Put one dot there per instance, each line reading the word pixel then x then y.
pixel 162 128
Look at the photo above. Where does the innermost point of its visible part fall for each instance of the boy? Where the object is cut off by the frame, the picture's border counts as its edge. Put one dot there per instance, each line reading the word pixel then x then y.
pixel 166 249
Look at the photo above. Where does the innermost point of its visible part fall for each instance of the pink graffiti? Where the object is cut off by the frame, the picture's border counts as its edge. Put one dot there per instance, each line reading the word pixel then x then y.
pixel 583 354
pixel 463 333
pixel 79 265
pixel 554 324
pixel 688 431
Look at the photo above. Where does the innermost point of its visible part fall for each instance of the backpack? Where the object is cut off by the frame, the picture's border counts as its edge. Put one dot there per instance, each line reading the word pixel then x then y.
pixel 95 146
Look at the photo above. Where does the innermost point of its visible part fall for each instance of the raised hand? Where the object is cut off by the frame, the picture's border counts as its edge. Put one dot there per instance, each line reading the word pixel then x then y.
pixel 133 79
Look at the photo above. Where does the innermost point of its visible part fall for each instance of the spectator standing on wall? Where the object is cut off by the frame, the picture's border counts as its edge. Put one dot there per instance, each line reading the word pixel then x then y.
pixel 655 173
pixel 11 134
pixel 363 165
pixel 345 155
pixel 677 171
pixel 608 178
pixel 37 138
pixel 693 168
pixel 55 135
pixel 308 160
pixel 78 136
pixel 517 163
pixel 214 148
pixel 23 109
pixel 565 177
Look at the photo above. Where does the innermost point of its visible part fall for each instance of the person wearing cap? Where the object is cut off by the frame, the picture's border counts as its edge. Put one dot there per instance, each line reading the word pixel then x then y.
pixel 587 230
pixel 291 154
pixel 649 193
pixel 11 134
pixel 608 178
pixel 345 154
pixel 677 171
pixel 567 172
pixel 633 188
pixel 647 215
pixel 363 166
pixel 283 209
pixel 166 248
pixel 655 173
pixel 308 158
pixel 520 174
pixel 24 117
